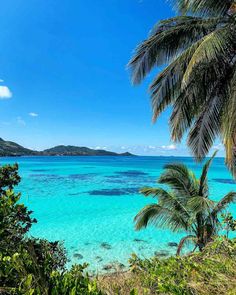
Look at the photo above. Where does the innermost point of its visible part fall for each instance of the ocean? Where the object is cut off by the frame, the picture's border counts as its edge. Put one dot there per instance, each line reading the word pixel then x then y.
pixel 89 203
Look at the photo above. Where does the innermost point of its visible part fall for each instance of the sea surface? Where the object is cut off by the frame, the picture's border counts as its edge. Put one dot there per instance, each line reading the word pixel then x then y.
pixel 90 202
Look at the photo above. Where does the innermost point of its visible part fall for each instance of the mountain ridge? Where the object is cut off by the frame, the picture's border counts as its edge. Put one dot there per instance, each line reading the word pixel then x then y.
pixel 12 149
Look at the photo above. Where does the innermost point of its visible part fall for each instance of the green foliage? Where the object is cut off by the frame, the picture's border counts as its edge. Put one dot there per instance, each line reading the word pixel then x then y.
pixel 9 177
pixel 197 49
pixel 31 266
pixel 73 282
pixel 20 274
pixel 212 271
pixel 186 206
pixel 229 223
pixel 15 218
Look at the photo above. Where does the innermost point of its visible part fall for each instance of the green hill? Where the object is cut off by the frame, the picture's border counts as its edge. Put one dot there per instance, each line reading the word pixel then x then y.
pixel 70 150
pixel 9 148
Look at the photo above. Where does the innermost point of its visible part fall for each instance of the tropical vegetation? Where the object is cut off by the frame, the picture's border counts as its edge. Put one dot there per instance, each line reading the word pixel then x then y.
pixel 198 51
pixel 185 205
pixel 212 271
pixel 27 265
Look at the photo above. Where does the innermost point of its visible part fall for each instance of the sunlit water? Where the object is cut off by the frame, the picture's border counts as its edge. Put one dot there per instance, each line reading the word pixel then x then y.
pixel 90 202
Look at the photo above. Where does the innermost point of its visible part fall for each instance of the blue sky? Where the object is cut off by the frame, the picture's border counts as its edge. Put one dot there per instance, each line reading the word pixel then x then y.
pixel 64 79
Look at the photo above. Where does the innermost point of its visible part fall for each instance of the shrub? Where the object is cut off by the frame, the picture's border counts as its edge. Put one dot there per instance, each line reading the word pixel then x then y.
pixel 32 266
pixel 20 274
pixel 212 271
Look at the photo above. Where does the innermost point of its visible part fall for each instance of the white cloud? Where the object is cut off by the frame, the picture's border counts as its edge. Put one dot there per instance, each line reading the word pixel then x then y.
pixel 98 148
pixel 219 147
pixel 123 147
pixel 170 147
pixel 20 121
pixel 5 92
pixel 1 80
pixel 151 147
pixel 32 114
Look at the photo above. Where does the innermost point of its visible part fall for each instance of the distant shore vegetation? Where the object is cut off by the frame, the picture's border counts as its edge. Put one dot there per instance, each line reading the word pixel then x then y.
pixel 12 149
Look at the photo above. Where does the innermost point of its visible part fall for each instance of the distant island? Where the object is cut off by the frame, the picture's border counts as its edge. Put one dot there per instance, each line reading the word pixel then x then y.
pixel 12 149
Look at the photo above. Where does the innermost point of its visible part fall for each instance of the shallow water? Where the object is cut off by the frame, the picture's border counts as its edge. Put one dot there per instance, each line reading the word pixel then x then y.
pixel 90 203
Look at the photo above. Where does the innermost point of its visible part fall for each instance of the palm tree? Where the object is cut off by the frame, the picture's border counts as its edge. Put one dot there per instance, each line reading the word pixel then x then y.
pixel 186 206
pixel 198 50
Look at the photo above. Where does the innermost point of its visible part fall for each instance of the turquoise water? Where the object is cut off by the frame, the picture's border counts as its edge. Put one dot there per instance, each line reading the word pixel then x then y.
pixel 90 203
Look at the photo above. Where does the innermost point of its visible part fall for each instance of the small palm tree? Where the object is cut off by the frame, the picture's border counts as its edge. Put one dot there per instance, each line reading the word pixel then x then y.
pixel 186 206
pixel 198 50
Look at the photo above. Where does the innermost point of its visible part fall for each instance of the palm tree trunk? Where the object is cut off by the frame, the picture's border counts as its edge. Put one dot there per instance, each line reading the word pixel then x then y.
pixel 181 243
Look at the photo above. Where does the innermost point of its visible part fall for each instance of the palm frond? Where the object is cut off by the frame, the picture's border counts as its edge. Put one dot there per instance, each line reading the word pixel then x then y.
pixel 206 128
pixel 213 47
pixel 150 214
pixel 180 179
pixel 203 186
pixel 178 222
pixel 184 111
pixel 224 202
pixel 202 205
pixel 150 191
pixel 158 193
pixel 229 124
pixel 188 107
pixel 162 217
pixel 204 7
pixel 166 199
pixel 167 40
pixel 166 87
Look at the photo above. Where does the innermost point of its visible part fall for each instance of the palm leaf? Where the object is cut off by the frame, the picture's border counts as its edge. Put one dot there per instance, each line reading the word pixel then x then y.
pixel 162 217
pixel 184 111
pixel 202 205
pixel 204 7
pixel 149 215
pixel 212 47
pixel 206 128
pixel 168 39
pixel 167 199
pixel 150 191
pixel 229 124
pixel 180 179
pixel 203 187
pixel 166 87
pixel 224 202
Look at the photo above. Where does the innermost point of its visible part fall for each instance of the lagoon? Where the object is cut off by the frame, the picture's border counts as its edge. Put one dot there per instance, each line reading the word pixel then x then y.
pixel 90 202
